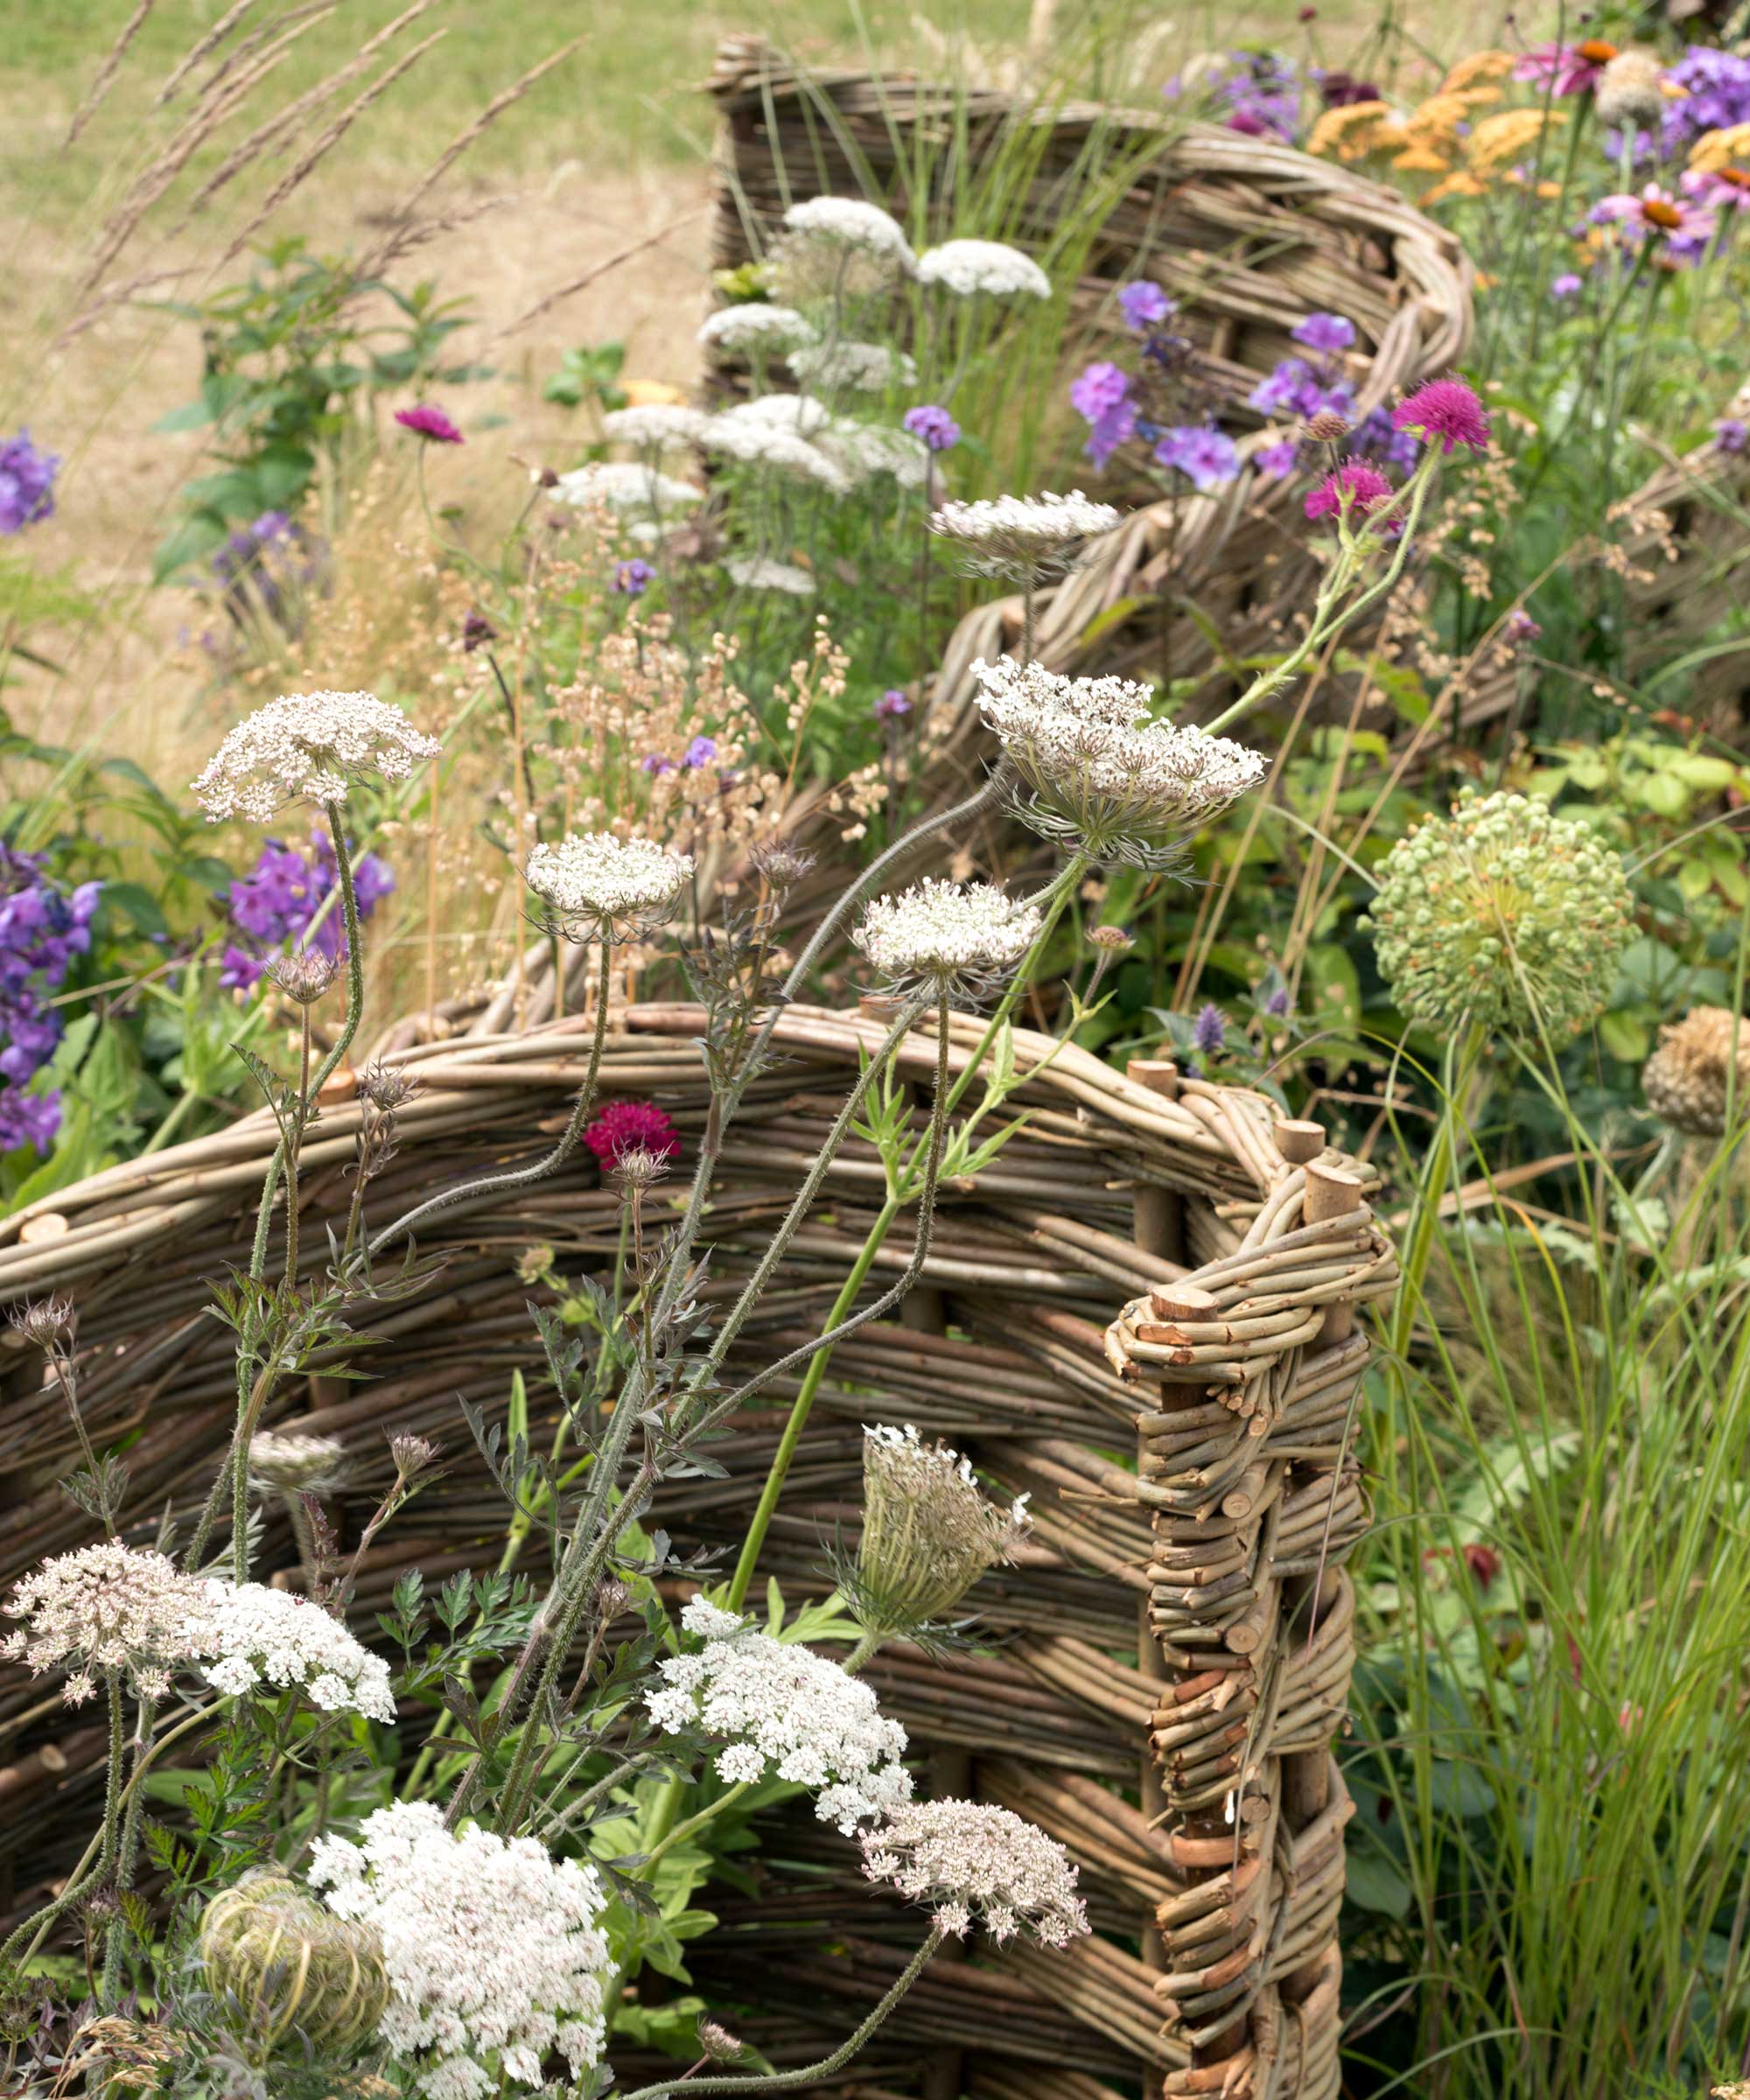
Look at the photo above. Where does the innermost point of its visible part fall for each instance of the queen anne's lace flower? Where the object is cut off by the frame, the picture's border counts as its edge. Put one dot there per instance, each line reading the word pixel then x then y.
pixel 851 222
pixel 972 1864
pixel 598 887
pixel 1701 1061
pixel 627 485
pixel 107 1610
pixel 1024 535
pixel 785 1710
pixel 258 1636
pixel 864 368
pixel 928 1533
pixel 758 326
pixel 493 1951
pixel 297 1463
pixel 968 268
pixel 1097 772
pixel 655 426
pixel 753 573
pixel 949 939
pixel 861 450
pixel 799 412
pixel 762 442
pixel 308 745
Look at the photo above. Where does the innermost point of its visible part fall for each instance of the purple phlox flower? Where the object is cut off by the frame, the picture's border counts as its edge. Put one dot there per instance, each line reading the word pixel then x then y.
pixel 1143 303
pixel 938 430
pixel 42 929
pixel 1098 389
pixel 1444 412
pixel 1565 285
pixel 1520 626
pixel 1117 427
pixel 633 578
pixel 1209 1030
pixel 1656 214
pixel 426 420
pixel 1256 92
pixel 1716 96
pixel 277 903
pixel 238 969
pixel 1206 456
pixel 1730 434
pixel 1565 68
pixel 27 478
pixel 891 705
pixel 1326 332
pixel 1355 491
pixel 1275 461
pixel 1280 393
pixel 655 763
pixel 700 752
pixel 29 1119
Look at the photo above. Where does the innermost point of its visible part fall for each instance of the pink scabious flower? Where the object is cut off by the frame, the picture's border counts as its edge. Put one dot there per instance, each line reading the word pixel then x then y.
pixel 1355 490
pixel 1656 214
pixel 1566 68
pixel 1444 412
pixel 632 1126
pixel 429 423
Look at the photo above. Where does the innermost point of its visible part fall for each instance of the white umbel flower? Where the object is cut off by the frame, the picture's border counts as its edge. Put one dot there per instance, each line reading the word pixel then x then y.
pixel 106 1611
pixel 626 486
pixel 756 573
pixel 598 887
pixel 1024 535
pixel 968 268
pixel 295 1462
pixel 851 222
pixel 1096 772
pixel 861 450
pixel 655 426
pixel 261 1638
pixel 797 412
pixel 857 367
pixel 758 327
pixel 972 1864
pixel 786 1712
pixel 946 938
pixel 494 1949
pixel 308 746
pixel 768 444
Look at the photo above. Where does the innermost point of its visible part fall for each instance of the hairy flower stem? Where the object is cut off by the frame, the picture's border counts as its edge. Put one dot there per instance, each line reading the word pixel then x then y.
pixel 778 2082
pixel 521 1177
pixel 128 1851
pixel 785 1456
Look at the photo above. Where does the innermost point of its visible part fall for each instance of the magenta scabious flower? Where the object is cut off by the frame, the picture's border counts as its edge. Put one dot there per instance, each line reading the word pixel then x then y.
pixel 1444 412
pixel 1324 331
pixel 1356 490
pixel 426 421
pixel 1565 68
pixel 1143 303
pixel 1206 457
pixel 938 430
pixel 1656 214
pixel 632 1126
pixel 27 478
pixel 633 578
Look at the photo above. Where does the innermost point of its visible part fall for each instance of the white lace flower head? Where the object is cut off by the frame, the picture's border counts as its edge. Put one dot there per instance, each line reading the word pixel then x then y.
pixel 781 1709
pixel 106 1611
pixel 761 441
pixel 861 450
pixel 851 222
pixel 1025 536
pixel 859 368
pixel 972 1863
pixel 759 573
pixel 628 486
pixel 308 746
pixel 296 1462
pixel 799 412
pixel 758 326
pixel 655 426
pixel 494 1949
pixel 951 939
pixel 1097 774
pixel 968 268
pixel 600 887
pixel 261 1638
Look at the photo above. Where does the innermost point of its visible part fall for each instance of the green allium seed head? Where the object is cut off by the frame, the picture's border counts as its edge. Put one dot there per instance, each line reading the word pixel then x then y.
pixel 1504 914
pixel 292 1966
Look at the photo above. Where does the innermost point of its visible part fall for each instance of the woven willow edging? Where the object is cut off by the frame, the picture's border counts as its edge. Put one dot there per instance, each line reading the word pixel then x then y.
pixel 1147 1659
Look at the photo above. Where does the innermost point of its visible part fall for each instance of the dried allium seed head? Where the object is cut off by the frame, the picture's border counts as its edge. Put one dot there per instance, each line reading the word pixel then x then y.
pixel 1327 426
pixel 304 975
pixel 1095 773
pixel 597 887
pixel 309 746
pixel 386 1088
pixel 971 1864
pixel 106 1610
pixel 950 940
pixel 295 1463
pixel 45 1321
pixel 717 2044
pixel 291 1966
pixel 1630 92
pixel 1502 914
pixel 1699 1062
pixel 928 1533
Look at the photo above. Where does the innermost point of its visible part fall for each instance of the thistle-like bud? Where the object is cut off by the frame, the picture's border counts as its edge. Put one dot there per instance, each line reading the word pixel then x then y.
pixel 638 1167
pixel 1327 426
pixel 304 975
pixel 387 1089
pixel 1630 92
pixel 414 1456
pixel 292 1966
pixel 1502 914
pixel 928 1533
pixel 1688 1078
pixel 717 2044
pixel 45 1321
pixel 782 865
pixel 1110 940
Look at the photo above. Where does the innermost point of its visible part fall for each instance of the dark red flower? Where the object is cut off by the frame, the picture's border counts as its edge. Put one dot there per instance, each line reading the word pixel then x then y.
pixel 632 1126
pixel 1444 412
pixel 1356 488
pixel 1484 1563
pixel 425 421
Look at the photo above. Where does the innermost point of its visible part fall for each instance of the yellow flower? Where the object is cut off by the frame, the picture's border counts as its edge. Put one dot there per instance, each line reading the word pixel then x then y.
pixel 1717 149
pixel 1461 184
pixel 1352 131
pixel 1480 65
pixel 1420 160
pixel 652 394
pixel 1507 135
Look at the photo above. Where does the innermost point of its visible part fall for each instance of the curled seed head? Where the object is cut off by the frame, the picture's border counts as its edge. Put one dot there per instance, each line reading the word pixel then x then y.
pixel 44 1321
pixel 304 975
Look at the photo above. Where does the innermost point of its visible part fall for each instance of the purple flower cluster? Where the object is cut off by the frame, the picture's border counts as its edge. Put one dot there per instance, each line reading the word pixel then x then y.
pixel 1100 395
pixel 1716 87
pixel 1310 385
pixel 1145 305
pixel 275 902
pixel 259 564
pixel 41 930
pixel 1256 91
pixel 938 430
pixel 701 752
pixel 633 578
pixel 27 478
pixel 1206 456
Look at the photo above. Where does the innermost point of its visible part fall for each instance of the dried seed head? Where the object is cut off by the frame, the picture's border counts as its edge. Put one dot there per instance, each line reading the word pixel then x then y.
pixel 45 1321
pixel 1700 1061
pixel 611 1600
pixel 638 1167
pixel 782 865
pixel 928 1533
pixel 414 1456
pixel 1630 92
pixel 289 1965
pixel 717 2044
pixel 1112 940
pixel 1327 426
pixel 386 1088
pixel 304 975
pixel 533 1264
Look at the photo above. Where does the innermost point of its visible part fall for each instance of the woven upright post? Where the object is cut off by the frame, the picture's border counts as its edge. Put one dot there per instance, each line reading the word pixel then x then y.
pixel 1255 1502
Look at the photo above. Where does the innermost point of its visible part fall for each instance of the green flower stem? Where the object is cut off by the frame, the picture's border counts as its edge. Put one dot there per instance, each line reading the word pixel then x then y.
pixel 521 1177
pixel 678 1833
pixel 779 2082
pixel 1463 1055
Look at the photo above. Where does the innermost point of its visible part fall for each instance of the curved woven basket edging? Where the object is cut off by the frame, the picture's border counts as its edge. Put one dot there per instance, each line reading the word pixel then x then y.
pixel 1142 1187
